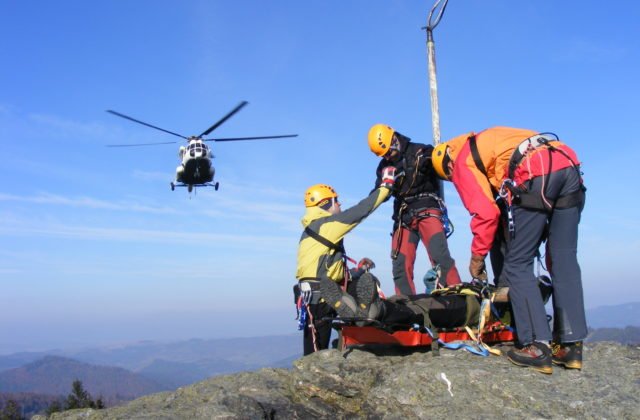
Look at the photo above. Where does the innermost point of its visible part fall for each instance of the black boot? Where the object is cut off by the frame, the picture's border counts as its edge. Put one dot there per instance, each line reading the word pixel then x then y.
pixel 343 303
pixel 366 296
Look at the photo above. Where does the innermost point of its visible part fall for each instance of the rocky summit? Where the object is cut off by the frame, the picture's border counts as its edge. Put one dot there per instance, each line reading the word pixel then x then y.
pixel 364 384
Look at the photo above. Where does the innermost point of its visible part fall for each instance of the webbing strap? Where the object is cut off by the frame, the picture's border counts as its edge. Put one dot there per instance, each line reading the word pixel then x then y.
pixel 475 154
pixel 324 241
pixel 460 345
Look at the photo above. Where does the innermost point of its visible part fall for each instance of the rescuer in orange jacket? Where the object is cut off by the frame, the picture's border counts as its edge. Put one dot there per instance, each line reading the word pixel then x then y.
pixel 538 180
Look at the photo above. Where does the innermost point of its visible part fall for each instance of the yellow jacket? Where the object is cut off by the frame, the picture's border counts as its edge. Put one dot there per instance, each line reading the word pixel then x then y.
pixel 316 260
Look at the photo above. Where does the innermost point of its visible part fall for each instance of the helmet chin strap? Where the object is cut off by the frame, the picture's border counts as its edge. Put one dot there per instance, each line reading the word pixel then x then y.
pixel 394 157
pixel 395 146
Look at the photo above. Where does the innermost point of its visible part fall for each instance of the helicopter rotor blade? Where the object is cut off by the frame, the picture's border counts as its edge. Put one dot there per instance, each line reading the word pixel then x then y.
pixel 140 144
pixel 144 123
pixel 225 118
pixel 252 138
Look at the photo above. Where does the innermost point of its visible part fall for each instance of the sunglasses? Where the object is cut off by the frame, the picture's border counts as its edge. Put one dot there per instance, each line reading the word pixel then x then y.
pixel 392 148
pixel 328 203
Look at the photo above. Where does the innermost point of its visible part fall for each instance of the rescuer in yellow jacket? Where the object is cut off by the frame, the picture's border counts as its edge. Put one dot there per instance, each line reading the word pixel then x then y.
pixel 321 270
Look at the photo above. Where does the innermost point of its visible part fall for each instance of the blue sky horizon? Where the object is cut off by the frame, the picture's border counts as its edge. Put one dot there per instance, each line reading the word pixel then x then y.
pixel 94 246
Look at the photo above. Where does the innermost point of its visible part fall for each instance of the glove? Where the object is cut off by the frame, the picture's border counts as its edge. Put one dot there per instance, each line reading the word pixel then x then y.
pixel 366 264
pixel 477 267
pixel 388 177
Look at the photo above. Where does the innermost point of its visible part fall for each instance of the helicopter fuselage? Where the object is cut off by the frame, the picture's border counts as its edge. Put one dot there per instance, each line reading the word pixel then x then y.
pixel 195 169
pixel 195 166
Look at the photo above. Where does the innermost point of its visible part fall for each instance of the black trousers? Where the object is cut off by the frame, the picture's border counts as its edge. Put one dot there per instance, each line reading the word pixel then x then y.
pixel 322 329
pixel 321 338
pixel 562 245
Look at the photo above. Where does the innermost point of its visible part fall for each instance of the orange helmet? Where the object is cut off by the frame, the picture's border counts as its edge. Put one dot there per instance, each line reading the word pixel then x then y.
pixel 440 159
pixel 316 194
pixel 380 138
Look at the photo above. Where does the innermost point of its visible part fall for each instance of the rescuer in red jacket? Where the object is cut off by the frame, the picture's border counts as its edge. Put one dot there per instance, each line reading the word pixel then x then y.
pixel 538 179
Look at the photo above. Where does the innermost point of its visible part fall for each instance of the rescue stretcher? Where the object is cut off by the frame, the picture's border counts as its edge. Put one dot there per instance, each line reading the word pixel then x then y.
pixel 356 336
pixel 489 331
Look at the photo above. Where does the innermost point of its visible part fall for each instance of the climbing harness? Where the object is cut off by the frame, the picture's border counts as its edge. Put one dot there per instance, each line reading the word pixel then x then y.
pixel 447 224
pixel 306 293
pixel 339 247
pixel 511 194
pixel 302 306
pixel 419 214
pixel 521 194
pixel 309 296
pixel 505 194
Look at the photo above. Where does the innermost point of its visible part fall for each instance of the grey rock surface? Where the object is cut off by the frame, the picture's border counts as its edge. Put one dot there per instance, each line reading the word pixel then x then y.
pixel 360 384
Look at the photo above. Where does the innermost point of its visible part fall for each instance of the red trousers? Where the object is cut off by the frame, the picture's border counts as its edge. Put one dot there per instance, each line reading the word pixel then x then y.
pixel 405 241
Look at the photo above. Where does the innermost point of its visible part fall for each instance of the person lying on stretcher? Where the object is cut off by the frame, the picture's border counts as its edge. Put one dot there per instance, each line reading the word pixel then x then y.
pixel 362 305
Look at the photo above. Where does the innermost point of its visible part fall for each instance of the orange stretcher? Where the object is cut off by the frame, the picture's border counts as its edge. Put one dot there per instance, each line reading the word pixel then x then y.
pixel 370 335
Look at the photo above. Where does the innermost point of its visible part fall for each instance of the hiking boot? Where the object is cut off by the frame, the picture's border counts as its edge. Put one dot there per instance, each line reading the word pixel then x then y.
pixel 535 355
pixel 568 355
pixel 343 303
pixel 366 294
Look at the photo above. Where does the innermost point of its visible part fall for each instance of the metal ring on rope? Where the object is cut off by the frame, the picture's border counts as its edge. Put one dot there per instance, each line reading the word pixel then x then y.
pixel 431 25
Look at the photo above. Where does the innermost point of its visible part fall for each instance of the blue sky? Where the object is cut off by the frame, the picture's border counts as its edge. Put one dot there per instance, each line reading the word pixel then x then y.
pixel 94 246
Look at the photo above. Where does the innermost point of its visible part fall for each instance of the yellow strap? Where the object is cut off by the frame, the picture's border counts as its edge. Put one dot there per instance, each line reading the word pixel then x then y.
pixel 479 342
pixel 471 333
pixel 485 313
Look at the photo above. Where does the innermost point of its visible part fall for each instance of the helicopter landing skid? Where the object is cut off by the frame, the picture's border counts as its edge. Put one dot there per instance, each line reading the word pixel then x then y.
pixel 192 186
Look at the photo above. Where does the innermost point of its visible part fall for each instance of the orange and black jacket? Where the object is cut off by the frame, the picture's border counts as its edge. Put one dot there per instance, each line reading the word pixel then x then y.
pixel 316 260
pixel 477 191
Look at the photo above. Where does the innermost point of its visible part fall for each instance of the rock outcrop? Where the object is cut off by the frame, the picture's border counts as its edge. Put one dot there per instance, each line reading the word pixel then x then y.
pixel 361 384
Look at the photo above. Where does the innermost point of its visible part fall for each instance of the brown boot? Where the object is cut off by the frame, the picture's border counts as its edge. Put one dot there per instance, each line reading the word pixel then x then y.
pixel 568 355
pixel 535 355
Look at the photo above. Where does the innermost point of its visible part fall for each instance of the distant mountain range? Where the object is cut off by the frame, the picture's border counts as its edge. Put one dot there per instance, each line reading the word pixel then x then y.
pixel 127 371
pixel 54 375
pixel 626 335
pixel 614 316
pixel 169 365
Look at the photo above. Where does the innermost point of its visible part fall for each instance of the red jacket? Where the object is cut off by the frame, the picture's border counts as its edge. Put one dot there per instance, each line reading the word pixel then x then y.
pixel 495 147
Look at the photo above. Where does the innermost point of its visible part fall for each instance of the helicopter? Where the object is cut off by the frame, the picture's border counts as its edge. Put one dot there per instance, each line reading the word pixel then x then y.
pixel 195 169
